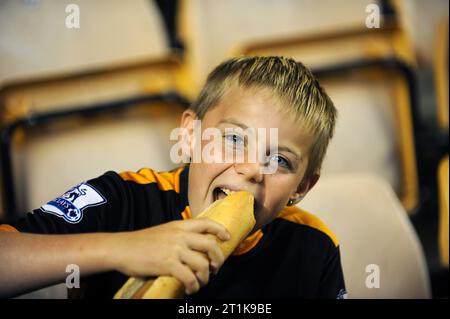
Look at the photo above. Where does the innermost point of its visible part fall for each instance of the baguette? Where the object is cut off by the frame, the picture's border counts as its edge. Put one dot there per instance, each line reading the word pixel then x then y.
pixel 234 212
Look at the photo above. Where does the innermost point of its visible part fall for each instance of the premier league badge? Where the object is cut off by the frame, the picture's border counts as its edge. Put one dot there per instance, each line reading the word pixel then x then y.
pixel 70 206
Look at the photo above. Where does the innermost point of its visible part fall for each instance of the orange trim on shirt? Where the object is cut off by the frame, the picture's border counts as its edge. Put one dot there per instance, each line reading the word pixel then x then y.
pixel 248 243
pixel 166 180
pixel 186 213
pixel 293 214
pixel 8 228
pixel 299 216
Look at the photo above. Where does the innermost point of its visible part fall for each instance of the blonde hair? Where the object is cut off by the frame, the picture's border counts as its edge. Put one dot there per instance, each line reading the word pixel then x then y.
pixel 295 86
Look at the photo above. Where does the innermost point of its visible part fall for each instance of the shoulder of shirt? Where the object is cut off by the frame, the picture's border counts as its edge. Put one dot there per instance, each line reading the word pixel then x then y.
pixel 301 217
pixel 165 181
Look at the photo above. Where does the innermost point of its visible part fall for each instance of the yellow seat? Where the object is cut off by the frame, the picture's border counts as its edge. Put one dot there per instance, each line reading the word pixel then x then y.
pixel 89 87
pixel 336 46
pixel 444 211
pixel 441 74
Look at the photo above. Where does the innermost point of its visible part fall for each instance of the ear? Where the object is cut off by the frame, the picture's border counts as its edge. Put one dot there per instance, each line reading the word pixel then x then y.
pixel 304 187
pixel 187 127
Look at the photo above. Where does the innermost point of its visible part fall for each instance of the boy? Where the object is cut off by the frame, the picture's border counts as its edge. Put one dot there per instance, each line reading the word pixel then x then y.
pixel 140 224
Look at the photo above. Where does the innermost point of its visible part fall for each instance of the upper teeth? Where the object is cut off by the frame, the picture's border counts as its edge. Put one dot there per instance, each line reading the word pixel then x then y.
pixel 227 191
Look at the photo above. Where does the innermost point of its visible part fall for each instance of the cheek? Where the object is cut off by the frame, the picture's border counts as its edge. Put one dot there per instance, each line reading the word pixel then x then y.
pixel 201 178
pixel 274 202
pixel 202 174
pixel 267 214
pixel 277 193
pixel 206 173
pixel 278 190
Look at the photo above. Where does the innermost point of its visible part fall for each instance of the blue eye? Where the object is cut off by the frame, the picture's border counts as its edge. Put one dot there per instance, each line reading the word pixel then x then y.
pixel 281 161
pixel 235 139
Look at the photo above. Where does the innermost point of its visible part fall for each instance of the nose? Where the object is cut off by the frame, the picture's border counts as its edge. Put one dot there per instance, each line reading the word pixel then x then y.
pixel 251 171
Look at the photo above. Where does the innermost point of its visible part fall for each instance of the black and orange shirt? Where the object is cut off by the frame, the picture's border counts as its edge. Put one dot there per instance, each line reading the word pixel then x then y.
pixel 294 256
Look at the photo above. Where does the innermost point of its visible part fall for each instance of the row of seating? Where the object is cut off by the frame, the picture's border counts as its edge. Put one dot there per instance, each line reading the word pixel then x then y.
pixel 51 141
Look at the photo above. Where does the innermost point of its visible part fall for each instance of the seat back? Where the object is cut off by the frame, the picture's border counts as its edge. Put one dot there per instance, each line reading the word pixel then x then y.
pixel 374 132
pixel 35 41
pixel 441 73
pixel 367 73
pixel 48 157
pixel 336 46
pixel 64 153
pixel 139 130
pixel 211 30
pixel 119 51
pixel 381 253
pixel 444 210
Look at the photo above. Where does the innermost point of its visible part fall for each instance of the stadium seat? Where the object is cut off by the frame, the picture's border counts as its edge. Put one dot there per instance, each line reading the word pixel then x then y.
pixel 336 46
pixel 211 30
pixel 444 211
pixel 374 131
pixel 119 49
pixel 75 146
pixel 1 201
pixel 84 88
pixel 441 74
pixel 65 134
pixel 376 237
pixel 36 43
pixel 367 73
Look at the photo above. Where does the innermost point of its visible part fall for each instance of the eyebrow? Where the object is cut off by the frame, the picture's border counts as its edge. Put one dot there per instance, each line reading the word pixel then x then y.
pixel 234 122
pixel 287 149
pixel 280 147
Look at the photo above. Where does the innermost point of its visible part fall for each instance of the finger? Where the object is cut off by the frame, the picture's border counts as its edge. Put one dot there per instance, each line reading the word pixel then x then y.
pixel 204 225
pixel 207 245
pixel 185 275
pixel 197 262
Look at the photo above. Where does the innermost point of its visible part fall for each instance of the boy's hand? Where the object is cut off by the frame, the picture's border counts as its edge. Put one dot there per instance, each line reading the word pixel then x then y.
pixel 180 249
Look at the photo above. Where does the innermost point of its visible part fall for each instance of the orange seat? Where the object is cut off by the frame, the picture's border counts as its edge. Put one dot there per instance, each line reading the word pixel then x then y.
pixel 444 210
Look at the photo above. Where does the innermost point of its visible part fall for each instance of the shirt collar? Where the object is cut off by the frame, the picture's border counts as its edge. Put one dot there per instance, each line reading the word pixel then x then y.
pixel 184 182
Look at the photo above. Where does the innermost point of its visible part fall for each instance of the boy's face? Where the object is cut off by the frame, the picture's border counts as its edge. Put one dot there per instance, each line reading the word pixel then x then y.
pixel 253 109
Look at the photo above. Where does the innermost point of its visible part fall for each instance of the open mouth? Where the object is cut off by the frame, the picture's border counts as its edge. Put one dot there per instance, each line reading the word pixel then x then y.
pixel 222 192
